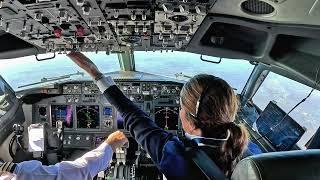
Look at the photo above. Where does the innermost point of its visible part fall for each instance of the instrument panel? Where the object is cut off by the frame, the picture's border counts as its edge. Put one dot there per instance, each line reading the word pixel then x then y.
pixel 86 114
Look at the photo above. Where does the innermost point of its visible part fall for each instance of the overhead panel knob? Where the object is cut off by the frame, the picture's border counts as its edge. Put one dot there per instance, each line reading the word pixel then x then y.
pixel 24 27
pixel 7 27
pixel 80 2
pixel 38 16
pixel 133 16
pixel 116 14
pixel 86 9
pixel 144 16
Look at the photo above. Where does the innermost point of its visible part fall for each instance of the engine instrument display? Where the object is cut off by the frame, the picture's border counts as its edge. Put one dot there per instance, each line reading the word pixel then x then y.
pixel 88 117
pixel 62 113
pixel 167 117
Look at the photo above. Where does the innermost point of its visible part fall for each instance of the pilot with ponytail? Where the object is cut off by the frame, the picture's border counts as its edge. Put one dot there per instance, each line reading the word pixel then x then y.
pixel 208 109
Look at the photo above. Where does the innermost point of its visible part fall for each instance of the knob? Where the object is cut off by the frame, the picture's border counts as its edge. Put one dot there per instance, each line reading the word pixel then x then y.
pixel 70 137
pixel 188 37
pixel 38 16
pixel 78 138
pixel 7 27
pixel 154 88
pixel 116 14
pixel 125 88
pixel 125 29
pixel 160 36
pixel 171 35
pixel 76 100
pixel 144 16
pixel 133 16
pixel 183 9
pixel 144 29
pixel 108 36
pixel 80 2
pixel 177 101
pixel 43 111
pixel 136 28
pixel 131 98
pixel 24 27
pixel 87 138
pixel 86 9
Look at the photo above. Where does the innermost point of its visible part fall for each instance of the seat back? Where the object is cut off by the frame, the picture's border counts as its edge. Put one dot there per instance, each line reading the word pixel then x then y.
pixel 289 165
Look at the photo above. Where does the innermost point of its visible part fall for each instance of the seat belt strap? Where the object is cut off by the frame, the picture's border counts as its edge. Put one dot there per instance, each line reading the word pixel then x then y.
pixel 208 167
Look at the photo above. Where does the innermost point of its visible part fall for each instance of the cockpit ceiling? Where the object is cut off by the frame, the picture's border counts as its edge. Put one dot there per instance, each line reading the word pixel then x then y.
pixel 277 11
pixel 287 48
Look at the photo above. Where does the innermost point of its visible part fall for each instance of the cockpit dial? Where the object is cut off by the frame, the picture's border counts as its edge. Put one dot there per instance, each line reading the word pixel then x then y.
pixel 167 117
pixel 88 117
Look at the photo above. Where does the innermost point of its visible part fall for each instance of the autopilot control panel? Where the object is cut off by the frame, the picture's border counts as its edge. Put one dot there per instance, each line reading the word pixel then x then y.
pixel 88 117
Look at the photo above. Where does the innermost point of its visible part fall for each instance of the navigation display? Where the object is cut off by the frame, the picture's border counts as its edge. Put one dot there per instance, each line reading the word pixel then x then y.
pixel 62 113
pixel 167 117
pixel 282 133
pixel 88 117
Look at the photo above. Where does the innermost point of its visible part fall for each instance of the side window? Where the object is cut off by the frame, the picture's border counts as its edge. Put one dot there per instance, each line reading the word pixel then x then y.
pixel 6 99
pixel 287 93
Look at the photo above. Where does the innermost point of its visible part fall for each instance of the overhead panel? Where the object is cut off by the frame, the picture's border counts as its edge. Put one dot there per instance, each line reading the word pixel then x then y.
pixel 110 25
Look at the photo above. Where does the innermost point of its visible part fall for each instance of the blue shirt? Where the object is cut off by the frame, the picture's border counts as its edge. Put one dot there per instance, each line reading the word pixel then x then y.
pixel 83 168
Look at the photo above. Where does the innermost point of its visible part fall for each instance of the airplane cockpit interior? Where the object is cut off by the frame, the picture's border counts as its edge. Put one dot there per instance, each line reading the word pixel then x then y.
pixel 267 50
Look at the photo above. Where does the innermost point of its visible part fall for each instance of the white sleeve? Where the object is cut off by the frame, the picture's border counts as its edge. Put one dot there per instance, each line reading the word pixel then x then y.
pixel 104 83
pixel 85 167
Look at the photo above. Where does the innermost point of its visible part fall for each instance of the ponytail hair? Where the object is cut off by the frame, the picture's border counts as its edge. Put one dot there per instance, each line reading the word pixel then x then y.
pixel 232 150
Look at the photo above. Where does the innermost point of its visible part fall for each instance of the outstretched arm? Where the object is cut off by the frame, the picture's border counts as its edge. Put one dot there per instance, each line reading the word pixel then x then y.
pixel 141 127
pixel 85 167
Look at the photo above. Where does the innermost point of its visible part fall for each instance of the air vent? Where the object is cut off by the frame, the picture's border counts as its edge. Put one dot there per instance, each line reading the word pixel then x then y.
pixel 257 7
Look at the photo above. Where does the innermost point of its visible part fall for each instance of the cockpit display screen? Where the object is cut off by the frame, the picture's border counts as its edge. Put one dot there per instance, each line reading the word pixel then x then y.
pixel 88 117
pixel 62 113
pixel 282 131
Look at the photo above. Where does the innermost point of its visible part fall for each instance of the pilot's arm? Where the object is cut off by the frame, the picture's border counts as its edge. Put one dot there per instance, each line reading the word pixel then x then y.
pixel 141 127
pixel 85 167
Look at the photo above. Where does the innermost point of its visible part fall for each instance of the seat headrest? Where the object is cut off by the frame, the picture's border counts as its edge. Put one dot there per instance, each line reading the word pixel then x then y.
pixel 297 165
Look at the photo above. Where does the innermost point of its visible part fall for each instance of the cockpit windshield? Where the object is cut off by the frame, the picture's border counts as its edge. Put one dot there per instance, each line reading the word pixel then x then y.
pixel 183 65
pixel 26 70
